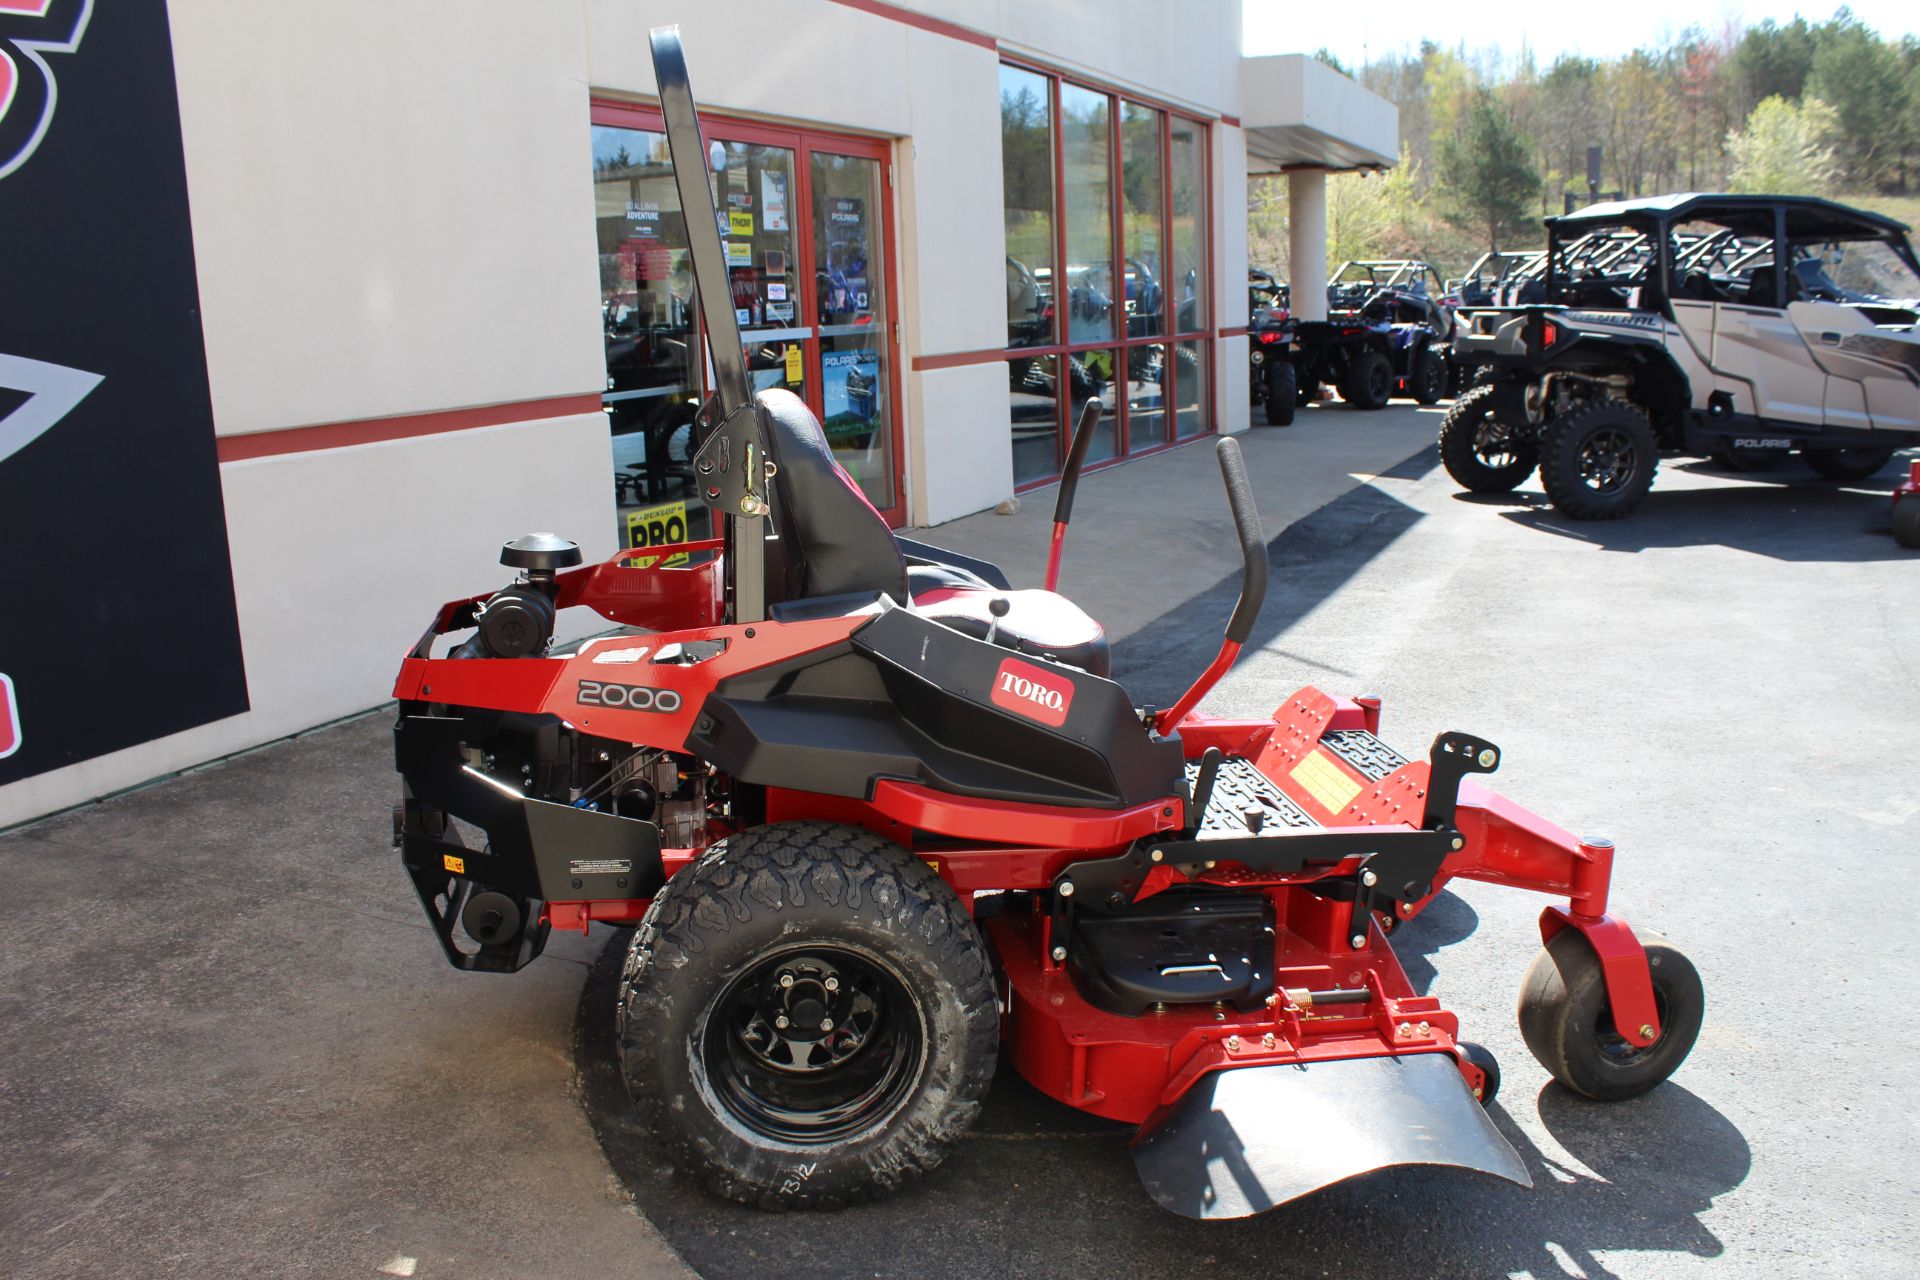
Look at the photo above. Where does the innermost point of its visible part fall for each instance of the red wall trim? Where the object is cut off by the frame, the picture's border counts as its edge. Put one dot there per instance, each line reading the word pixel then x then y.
pixel 341 435
pixel 907 16
pixel 921 364
pixel 1232 120
pixel 1239 331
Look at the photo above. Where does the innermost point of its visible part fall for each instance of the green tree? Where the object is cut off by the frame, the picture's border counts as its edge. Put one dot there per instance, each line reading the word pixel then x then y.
pixel 1785 149
pixel 1773 61
pixel 1860 76
pixel 1488 182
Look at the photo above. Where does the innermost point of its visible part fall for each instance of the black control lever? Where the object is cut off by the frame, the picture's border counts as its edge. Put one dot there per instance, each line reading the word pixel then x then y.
pixel 1069 481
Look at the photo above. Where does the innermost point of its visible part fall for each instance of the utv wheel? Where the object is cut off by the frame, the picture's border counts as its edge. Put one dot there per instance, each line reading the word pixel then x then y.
pixel 806 1018
pixel 1597 462
pixel 1429 378
pixel 1848 464
pixel 1369 381
pixel 1282 392
pixel 1906 523
pixel 1481 454
pixel 1568 1024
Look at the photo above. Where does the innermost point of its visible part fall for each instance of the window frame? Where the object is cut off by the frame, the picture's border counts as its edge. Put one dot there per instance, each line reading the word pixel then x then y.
pixel 1121 342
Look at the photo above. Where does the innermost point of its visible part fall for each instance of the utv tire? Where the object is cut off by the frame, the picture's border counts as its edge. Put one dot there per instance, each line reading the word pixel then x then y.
pixel 1369 381
pixel 1848 464
pixel 1906 523
pixel 1597 462
pixel 1567 1023
pixel 1481 454
pixel 807 1018
pixel 1429 381
pixel 1282 393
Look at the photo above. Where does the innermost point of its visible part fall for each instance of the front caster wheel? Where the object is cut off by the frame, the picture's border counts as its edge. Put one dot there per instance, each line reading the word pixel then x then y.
pixel 806 1018
pixel 1482 1057
pixel 1568 1025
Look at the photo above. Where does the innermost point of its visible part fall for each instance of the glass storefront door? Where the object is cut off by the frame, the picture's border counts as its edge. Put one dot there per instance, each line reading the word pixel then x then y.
pixel 806 222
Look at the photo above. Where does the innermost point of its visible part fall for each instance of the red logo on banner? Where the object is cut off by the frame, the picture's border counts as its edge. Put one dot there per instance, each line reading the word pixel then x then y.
pixel 1033 692
pixel 9 718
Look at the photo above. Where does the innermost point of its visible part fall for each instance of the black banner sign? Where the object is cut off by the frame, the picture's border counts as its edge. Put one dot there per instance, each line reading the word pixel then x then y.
pixel 117 622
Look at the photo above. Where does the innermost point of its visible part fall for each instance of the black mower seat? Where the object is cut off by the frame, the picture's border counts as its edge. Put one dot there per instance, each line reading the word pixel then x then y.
pixel 846 552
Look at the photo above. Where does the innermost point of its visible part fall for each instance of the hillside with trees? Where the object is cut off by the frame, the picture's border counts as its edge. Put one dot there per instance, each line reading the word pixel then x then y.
pixel 1492 141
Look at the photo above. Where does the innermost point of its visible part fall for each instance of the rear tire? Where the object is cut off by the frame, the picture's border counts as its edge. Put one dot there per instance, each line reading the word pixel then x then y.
pixel 1369 381
pixel 1597 462
pixel 1847 464
pixel 1481 454
pixel 1282 393
pixel 1429 381
pixel 733 978
pixel 1568 1025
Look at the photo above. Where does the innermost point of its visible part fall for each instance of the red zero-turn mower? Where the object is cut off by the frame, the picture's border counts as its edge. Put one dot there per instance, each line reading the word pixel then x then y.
pixel 877 814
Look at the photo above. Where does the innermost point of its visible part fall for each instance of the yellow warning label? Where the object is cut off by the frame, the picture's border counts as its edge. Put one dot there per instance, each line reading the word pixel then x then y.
pixel 1330 788
pixel 934 863
pixel 456 865
pixel 795 370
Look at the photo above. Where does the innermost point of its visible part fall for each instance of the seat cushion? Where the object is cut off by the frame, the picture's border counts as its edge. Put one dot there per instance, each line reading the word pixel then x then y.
pixel 1040 623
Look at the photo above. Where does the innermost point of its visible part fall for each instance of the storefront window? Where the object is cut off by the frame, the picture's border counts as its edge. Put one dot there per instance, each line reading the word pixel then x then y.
pixel 1087 207
pixel 1187 198
pixel 647 312
pixel 1026 143
pixel 1123 289
pixel 850 289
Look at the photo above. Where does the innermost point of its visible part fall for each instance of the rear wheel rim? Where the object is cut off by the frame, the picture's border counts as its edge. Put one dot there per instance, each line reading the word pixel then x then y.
pixel 1607 460
pixel 1493 445
pixel 846 1059
pixel 1619 1051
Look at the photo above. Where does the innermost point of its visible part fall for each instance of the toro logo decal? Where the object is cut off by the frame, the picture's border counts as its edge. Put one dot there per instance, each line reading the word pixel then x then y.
pixel 9 718
pixel 1033 692
pixel 29 29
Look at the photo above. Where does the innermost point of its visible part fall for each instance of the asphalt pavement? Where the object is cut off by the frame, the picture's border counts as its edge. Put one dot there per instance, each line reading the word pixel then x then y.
pixel 232 1048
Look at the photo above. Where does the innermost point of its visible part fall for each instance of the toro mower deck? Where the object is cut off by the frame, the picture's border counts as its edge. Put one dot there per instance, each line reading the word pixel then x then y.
pixel 877 814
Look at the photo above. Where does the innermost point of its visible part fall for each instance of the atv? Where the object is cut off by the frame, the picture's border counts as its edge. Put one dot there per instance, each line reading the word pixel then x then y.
pixel 1730 326
pixel 878 815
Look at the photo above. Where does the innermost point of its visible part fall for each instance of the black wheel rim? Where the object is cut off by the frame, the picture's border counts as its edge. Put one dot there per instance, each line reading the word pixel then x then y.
pixel 1607 460
pixel 1494 447
pixel 1620 1051
pixel 1380 381
pixel 812 1045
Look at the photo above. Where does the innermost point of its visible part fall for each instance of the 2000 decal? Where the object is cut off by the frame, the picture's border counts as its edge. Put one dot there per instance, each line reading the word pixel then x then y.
pixel 627 697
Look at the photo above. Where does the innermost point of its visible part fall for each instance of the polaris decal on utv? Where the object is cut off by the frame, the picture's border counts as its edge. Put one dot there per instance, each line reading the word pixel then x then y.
pixel 878 814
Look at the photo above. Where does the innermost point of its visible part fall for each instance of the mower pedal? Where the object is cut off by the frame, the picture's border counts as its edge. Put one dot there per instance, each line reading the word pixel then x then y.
pixel 1240 789
pixel 1372 758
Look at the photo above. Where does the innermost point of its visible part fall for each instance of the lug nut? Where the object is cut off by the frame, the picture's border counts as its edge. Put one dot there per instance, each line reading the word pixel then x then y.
pixel 826 1024
pixel 831 984
pixel 786 979
pixel 781 1022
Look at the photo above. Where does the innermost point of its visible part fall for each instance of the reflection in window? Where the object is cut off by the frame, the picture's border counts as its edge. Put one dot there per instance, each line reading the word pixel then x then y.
pixel 1147 378
pixel 1026 148
pixel 1140 192
pixel 1035 393
pixel 647 311
pixel 1090 376
pixel 1087 205
pixel 1187 188
pixel 851 294
pixel 1190 387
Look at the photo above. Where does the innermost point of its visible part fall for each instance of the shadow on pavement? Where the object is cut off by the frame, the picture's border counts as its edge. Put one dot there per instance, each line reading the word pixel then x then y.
pixel 1040 1189
pixel 1788 515
pixel 1310 560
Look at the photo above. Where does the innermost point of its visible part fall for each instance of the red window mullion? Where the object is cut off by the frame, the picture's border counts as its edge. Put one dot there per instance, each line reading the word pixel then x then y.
pixel 1062 333
pixel 1117 245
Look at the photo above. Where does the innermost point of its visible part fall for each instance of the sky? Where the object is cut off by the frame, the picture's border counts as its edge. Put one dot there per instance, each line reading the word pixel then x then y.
pixel 1550 28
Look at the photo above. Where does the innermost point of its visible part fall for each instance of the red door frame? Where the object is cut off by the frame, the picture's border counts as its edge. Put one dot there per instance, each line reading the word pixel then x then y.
pixel 804 143
pixel 1061 348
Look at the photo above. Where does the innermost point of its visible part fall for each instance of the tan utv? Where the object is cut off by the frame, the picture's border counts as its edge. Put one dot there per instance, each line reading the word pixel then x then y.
pixel 1737 326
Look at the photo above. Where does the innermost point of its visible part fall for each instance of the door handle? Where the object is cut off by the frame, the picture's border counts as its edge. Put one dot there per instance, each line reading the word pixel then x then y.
pixel 1831 338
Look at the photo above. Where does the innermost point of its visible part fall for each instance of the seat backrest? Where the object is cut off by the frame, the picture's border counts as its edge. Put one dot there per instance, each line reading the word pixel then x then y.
pixel 838 543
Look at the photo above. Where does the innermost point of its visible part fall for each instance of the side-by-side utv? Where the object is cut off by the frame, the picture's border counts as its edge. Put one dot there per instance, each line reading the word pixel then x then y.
pixel 879 814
